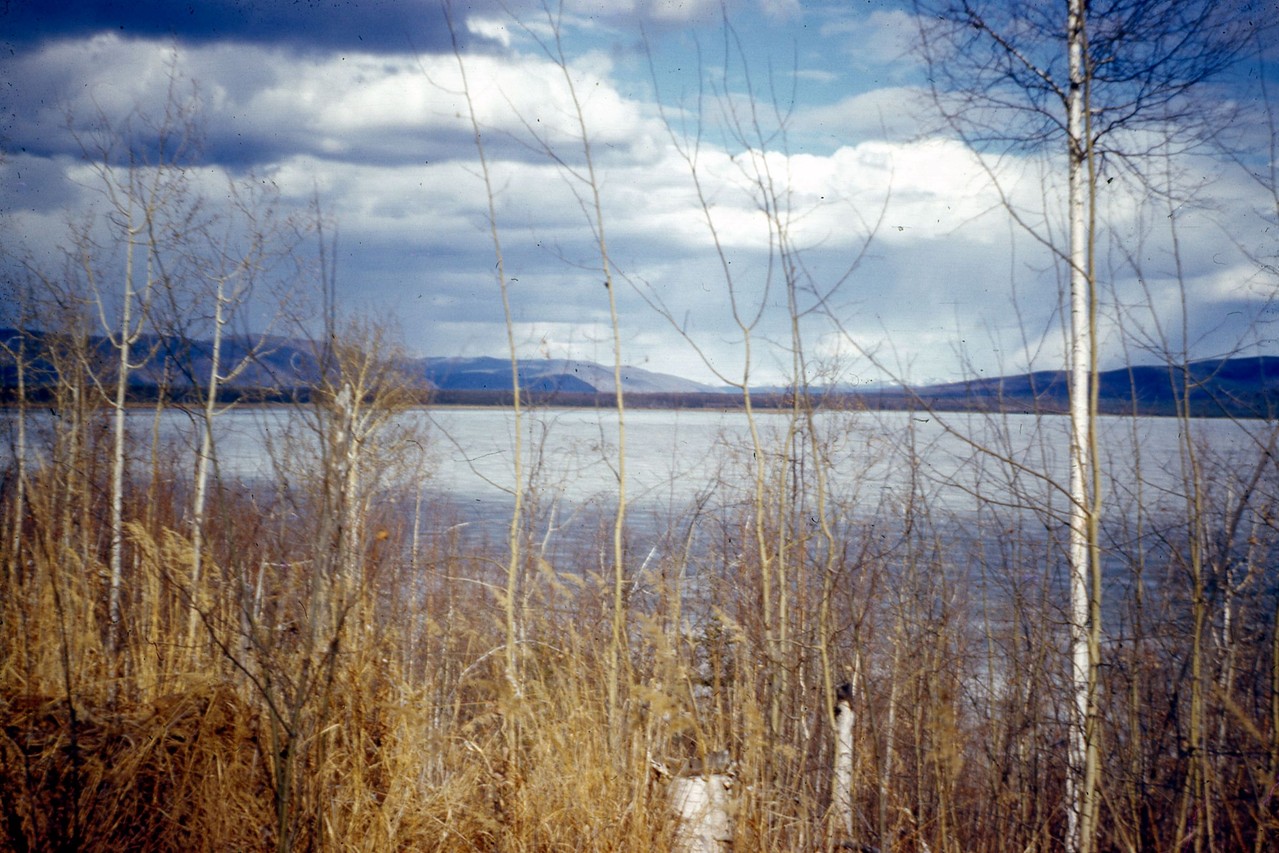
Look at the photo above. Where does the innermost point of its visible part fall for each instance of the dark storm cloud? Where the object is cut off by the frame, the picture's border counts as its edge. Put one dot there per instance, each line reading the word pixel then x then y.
pixel 365 25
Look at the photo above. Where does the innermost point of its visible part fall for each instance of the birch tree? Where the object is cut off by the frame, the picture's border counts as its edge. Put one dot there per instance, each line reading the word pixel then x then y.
pixel 231 256
pixel 17 348
pixel 140 170
pixel 1085 497
pixel 1131 68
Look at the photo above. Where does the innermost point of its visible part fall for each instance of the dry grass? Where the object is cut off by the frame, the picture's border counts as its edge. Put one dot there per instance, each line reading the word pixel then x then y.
pixel 370 710
pixel 180 773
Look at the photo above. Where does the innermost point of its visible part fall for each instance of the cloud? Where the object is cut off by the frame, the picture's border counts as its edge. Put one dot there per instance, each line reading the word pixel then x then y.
pixel 496 29
pixel 35 185
pixel 677 12
pixel 372 25
pixel 883 40
pixel 383 136
pixel 368 26
pixel 260 104
pixel 897 113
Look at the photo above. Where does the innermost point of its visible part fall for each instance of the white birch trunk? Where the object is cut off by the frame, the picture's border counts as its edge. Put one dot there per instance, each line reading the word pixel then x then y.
pixel 116 498
pixel 702 807
pixel 841 794
pixel 1078 782
pixel 204 461
pixel 20 451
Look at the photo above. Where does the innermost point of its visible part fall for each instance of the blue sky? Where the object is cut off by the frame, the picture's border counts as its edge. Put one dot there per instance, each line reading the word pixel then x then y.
pixel 895 220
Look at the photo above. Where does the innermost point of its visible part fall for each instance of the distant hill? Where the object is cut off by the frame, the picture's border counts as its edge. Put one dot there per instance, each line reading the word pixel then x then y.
pixel 289 364
pixel 550 375
pixel 1242 387
pixel 1239 387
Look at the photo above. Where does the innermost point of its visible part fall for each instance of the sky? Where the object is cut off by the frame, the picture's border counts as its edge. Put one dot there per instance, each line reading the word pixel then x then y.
pixel 907 264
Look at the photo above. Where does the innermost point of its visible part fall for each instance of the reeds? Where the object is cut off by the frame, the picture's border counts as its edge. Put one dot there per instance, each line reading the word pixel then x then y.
pixel 371 709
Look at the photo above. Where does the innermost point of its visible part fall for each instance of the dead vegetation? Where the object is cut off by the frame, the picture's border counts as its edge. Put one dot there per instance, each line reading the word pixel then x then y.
pixel 370 707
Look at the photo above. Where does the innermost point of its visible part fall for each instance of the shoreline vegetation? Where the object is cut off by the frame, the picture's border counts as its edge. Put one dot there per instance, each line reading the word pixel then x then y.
pixel 339 675
pixel 888 400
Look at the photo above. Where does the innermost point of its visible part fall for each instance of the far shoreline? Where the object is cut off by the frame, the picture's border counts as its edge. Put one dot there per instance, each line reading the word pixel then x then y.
pixel 894 399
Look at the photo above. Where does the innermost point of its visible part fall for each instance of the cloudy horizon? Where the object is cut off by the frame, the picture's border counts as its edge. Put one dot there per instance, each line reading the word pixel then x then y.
pixel 898 231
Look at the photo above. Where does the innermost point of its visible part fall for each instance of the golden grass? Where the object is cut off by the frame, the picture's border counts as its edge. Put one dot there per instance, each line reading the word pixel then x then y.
pixel 399 729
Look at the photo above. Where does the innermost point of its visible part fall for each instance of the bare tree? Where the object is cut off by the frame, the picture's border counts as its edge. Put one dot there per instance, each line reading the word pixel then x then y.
pixel 246 253
pixel 514 531
pixel 140 164
pixel 19 349
pixel 579 168
pixel 1130 67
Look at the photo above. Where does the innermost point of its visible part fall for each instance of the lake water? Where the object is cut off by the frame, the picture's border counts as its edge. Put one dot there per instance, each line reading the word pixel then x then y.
pixel 988 492
pixel 962 465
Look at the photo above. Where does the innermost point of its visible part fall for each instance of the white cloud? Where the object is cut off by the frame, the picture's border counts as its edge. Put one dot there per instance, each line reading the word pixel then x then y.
pixel 884 39
pixel 897 113
pixel 495 29
pixel 387 141
pixel 781 9
pixel 662 12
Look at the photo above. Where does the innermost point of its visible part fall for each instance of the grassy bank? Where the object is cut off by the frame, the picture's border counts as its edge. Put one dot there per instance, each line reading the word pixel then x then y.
pixel 341 674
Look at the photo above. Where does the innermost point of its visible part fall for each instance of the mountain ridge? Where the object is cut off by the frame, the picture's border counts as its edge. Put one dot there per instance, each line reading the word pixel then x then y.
pixel 1246 386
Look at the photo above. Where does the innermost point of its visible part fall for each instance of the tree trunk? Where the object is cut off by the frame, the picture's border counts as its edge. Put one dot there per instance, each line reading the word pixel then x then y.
pixel 1083 648
pixel 841 792
pixel 204 462
pixel 116 498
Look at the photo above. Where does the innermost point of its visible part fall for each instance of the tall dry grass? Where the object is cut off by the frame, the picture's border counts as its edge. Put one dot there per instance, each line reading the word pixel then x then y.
pixel 397 726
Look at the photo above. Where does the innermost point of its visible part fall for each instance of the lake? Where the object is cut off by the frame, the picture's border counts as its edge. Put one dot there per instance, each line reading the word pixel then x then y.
pixel 673 454
pixel 987 491
pixel 960 465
